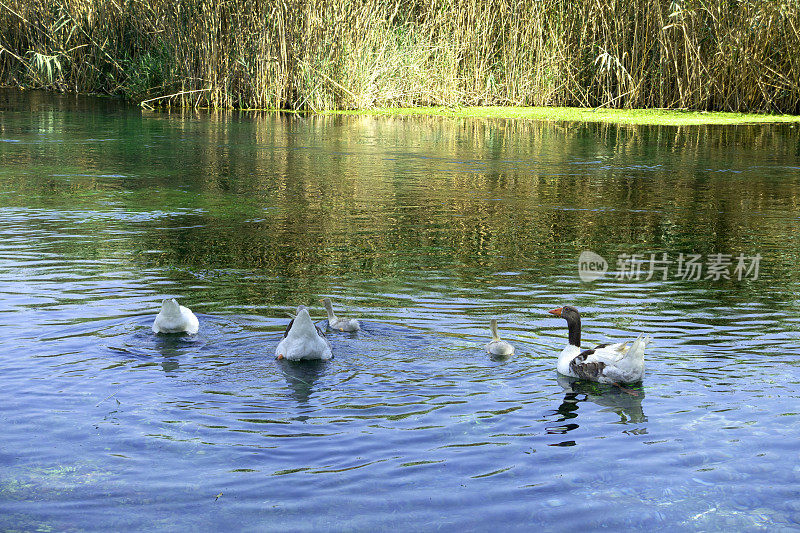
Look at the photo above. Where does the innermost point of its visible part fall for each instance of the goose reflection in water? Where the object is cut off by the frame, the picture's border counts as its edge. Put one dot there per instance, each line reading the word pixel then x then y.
pixel 626 403
pixel 174 348
pixel 301 376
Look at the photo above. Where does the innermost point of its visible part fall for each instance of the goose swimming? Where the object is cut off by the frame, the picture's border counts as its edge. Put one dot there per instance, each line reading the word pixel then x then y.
pixel 303 339
pixel 605 363
pixel 497 346
pixel 342 324
pixel 175 318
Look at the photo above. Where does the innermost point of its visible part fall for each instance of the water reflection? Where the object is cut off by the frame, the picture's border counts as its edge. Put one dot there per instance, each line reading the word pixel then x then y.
pixel 362 196
pixel 500 358
pixel 135 341
pixel 301 376
pixel 173 347
pixel 625 402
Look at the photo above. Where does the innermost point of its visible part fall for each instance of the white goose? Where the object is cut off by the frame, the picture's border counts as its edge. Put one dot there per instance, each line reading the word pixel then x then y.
pixel 498 347
pixel 605 363
pixel 175 318
pixel 303 340
pixel 342 324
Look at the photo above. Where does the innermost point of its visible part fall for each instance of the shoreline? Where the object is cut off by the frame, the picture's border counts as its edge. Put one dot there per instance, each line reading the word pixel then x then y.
pixel 623 117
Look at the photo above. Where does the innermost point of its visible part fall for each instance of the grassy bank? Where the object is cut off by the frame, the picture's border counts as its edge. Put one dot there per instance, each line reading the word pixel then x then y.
pixel 739 55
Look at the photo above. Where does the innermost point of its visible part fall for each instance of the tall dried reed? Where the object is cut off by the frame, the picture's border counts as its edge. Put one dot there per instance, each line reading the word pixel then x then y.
pixel 736 55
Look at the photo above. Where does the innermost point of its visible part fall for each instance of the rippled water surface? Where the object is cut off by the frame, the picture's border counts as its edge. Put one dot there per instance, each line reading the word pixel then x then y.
pixel 425 228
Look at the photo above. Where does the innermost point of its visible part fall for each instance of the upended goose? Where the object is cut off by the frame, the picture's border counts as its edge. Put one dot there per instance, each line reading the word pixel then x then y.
pixel 498 347
pixel 605 363
pixel 342 324
pixel 175 318
pixel 303 339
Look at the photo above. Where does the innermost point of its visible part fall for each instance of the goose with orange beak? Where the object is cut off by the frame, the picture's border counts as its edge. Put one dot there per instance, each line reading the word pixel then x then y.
pixel 605 363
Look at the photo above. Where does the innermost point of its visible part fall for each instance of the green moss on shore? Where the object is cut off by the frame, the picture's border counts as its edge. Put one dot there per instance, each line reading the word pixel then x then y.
pixel 575 114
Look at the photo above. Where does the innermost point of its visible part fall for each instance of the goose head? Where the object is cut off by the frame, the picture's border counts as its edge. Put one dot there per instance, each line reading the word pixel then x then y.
pixel 567 312
pixel 493 327
pixel 328 307
pixel 573 318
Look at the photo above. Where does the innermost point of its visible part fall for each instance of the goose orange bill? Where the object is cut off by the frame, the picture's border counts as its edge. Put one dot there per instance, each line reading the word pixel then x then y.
pixel 556 312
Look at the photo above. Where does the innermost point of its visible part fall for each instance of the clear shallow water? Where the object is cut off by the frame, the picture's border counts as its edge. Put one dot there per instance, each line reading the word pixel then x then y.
pixel 425 229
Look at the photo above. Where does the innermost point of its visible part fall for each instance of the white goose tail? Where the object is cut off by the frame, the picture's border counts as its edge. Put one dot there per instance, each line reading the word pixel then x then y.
pixel 636 351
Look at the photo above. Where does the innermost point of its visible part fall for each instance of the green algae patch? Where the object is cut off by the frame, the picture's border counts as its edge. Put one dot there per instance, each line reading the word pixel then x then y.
pixel 665 117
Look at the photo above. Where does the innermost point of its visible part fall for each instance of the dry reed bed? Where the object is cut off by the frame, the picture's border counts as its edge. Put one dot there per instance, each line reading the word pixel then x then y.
pixel 733 55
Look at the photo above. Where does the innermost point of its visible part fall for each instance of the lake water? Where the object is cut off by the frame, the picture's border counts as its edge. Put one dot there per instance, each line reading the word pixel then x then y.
pixel 425 229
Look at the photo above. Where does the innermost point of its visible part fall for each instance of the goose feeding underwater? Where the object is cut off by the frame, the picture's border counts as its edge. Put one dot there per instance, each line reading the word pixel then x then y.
pixel 175 318
pixel 303 339
pixel 605 363
pixel 342 324
pixel 497 346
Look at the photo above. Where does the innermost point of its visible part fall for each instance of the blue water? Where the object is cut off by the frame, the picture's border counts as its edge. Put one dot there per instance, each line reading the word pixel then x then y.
pixel 425 229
